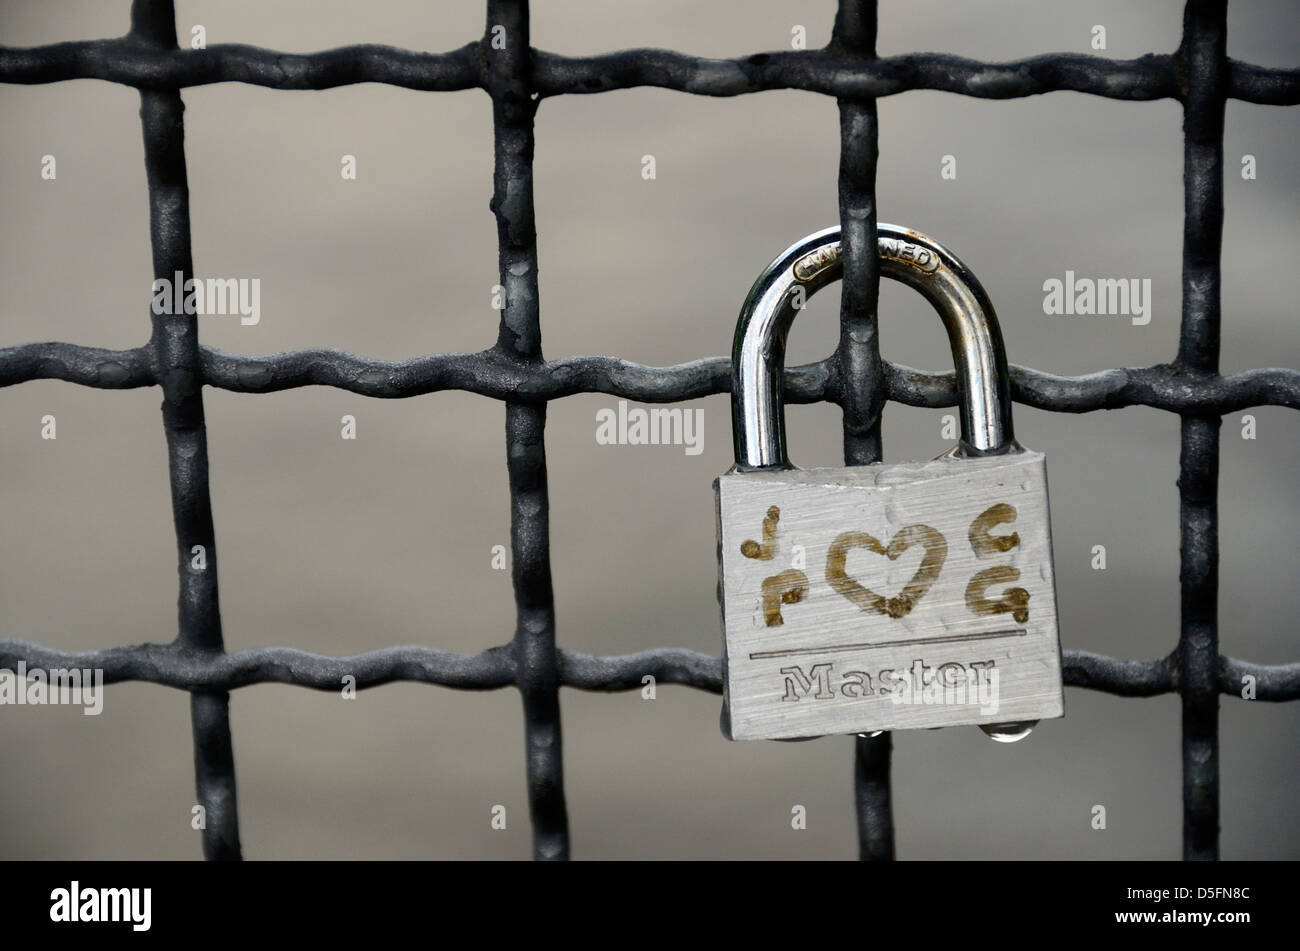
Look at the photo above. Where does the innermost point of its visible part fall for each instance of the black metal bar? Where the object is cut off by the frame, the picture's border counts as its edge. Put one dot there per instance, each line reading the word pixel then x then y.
pixel 490 374
pixel 859 371
pixel 537 664
pixel 832 72
pixel 179 369
pixel 1272 683
pixel 1204 58
pixel 214 772
pixel 1124 678
pixel 873 796
pixel 173 665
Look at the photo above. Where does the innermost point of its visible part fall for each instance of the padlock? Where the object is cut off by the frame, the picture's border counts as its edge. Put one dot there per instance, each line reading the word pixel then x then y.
pixel 888 596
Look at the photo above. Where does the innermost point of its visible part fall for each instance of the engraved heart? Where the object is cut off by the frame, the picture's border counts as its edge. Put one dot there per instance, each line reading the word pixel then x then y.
pixel 936 550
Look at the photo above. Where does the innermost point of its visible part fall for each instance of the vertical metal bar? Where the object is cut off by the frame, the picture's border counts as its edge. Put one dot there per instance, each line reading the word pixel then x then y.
pixel 872 795
pixel 1204 60
pixel 861 372
pixel 519 339
pixel 175 345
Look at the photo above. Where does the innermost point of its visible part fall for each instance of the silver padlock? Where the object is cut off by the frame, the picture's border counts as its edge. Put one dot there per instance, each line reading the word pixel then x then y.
pixel 888 596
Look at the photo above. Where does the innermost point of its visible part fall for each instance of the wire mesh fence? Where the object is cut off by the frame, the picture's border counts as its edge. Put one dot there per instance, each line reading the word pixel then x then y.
pixel 1199 75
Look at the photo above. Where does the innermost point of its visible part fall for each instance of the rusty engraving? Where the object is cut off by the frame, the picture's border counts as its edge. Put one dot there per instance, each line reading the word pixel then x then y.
pixel 767 550
pixel 1014 601
pixel 936 550
pixel 789 587
pixel 981 541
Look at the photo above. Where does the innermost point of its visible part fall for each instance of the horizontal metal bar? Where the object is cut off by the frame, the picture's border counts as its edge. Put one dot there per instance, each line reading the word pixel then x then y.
pixel 667 666
pixel 1154 76
pixel 1261 85
pixel 1125 678
pixel 173 665
pixel 1274 683
pixel 73 363
pixel 122 61
pixel 855 77
pixel 490 373
pixel 1160 387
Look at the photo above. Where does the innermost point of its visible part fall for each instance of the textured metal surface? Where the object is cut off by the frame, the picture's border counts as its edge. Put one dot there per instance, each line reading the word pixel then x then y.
pixel 174 347
pixel 1198 75
pixel 897 590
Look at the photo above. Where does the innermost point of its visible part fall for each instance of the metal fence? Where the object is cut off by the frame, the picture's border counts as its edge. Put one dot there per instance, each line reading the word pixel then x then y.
pixel 1198 74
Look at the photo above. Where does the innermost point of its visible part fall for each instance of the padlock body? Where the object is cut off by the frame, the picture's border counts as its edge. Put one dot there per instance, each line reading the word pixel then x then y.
pixel 887 597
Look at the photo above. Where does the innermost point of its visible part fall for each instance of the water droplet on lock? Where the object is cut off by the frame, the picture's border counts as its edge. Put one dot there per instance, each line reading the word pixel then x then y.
pixel 1009 732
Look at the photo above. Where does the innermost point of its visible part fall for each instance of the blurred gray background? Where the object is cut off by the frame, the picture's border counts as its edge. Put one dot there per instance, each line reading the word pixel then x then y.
pixel 342 547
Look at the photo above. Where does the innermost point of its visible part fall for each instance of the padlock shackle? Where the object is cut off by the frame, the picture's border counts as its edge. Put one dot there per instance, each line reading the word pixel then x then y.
pixel 758 352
